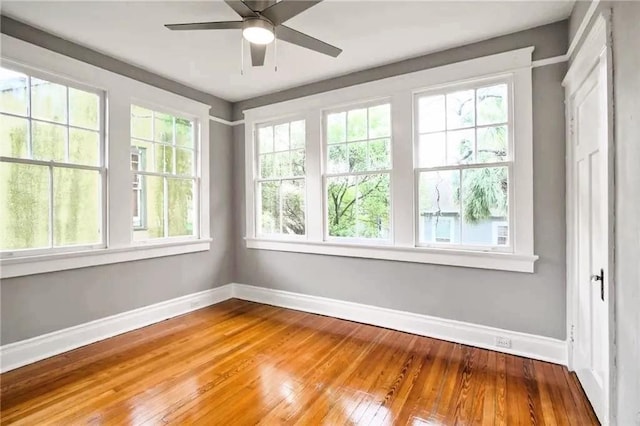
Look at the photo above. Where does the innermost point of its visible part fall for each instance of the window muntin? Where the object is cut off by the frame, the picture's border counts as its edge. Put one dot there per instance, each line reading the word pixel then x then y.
pixel 51 164
pixel 281 178
pixel 164 175
pixel 358 172
pixel 464 162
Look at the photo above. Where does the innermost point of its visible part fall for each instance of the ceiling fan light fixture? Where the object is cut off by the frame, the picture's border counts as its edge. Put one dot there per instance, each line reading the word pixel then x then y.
pixel 258 31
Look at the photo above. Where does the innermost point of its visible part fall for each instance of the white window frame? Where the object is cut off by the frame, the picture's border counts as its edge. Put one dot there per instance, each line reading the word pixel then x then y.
pixel 401 90
pixel 326 174
pixel 101 167
pixel 508 162
pixel 120 93
pixel 257 179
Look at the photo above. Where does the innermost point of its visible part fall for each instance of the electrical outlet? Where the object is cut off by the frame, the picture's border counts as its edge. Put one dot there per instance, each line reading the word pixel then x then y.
pixel 503 342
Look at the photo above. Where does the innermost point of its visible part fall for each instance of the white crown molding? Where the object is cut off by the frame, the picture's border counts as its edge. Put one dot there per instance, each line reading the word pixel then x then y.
pixel 523 344
pixel 223 121
pixel 28 351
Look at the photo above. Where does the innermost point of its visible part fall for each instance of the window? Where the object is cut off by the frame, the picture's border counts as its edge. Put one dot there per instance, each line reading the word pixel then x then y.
pixel 51 164
pixel 501 233
pixel 280 184
pixel 164 175
pixel 464 161
pixel 95 176
pixel 433 166
pixel 358 172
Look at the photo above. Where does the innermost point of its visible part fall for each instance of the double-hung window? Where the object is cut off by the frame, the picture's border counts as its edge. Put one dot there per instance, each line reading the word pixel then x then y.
pixel 165 184
pixel 280 183
pixel 358 172
pixel 95 168
pixel 434 166
pixel 52 174
pixel 463 164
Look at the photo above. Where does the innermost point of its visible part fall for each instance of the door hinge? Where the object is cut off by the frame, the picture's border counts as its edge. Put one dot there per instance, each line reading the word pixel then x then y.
pixel 573 327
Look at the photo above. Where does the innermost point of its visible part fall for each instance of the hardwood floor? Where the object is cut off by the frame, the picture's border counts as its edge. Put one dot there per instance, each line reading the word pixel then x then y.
pixel 239 363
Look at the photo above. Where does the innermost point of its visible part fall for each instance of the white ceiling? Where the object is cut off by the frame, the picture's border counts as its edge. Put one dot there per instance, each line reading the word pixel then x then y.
pixel 370 33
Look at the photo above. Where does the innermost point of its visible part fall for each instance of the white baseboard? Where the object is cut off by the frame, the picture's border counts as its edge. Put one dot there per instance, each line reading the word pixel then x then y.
pixel 25 352
pixel 522 344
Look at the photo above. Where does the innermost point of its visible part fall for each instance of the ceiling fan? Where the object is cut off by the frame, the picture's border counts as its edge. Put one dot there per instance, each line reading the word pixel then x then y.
pixel 262 22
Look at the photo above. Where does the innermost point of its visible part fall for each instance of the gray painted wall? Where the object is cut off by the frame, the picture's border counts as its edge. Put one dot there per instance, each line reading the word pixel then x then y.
pixel 625 17
pixel 219 107
pixel 530 303
pixel 38 304
pixel 550 40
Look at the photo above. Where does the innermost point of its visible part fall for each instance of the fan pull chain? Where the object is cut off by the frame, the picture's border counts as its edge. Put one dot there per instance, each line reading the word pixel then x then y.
pixel 241 55
pixel 275 51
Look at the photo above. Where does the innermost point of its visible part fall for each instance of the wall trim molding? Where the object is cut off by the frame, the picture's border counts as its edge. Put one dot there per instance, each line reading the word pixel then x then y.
pixel 227 122
pixel 523 344
pixel 28 351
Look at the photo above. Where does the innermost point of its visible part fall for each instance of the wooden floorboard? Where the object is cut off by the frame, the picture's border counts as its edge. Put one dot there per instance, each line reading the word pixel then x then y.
pixel 239 363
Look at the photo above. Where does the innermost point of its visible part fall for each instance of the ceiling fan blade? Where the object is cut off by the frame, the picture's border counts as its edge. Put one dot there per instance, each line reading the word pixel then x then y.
pixel 259 5
pixel 258 52
pixel 290 35
pixel 225 25
pixel 287 9
pixel 240 8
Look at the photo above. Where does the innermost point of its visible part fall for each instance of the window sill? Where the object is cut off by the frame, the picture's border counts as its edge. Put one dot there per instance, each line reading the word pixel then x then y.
pixel 29 265
pixel 470 259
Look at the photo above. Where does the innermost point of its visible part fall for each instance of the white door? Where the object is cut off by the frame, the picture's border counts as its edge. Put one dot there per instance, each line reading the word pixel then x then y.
pixel 590 191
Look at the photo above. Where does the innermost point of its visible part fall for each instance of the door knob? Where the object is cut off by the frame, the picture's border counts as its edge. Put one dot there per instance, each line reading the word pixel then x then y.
pixel 600 278
pixel 595 277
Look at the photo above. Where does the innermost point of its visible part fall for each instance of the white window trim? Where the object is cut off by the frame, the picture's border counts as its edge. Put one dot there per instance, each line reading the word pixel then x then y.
pixel 120 92
pixel 401 90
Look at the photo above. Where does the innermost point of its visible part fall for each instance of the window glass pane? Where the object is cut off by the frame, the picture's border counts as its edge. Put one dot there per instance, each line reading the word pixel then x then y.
pixel 438 203
pixel 270 207
pixel 460 145
pixel 13 92
pixel 48 141
pixel 141 123
pixel 484 202
pixel 357 124
pixel 380 121
pixel 153 202
pixel 432 150
pixel 338 159
pixel 266 165
pixel 84 147
pixel 431 114
pixel 145 151
pixel 357 156
pixel 48 101
pixel 293 206
pixel 24 206
pixel 297 162
pixel 297 134
pixel 184 133
pixel 76 207
pixel 164 158
pixel 460 109
pixel 379 154
pixel 184 161
pixel 265 137
pixel 14 137
pixel 180 192
pixel 282 164
pixel 163 128
pixel 337 127
pixel 359 206
pixel 281 137
pixel 492 104
pixel 492 144
pixel 83 109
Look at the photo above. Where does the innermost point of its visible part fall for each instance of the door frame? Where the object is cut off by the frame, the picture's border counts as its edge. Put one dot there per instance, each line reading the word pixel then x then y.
pixel 594 52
